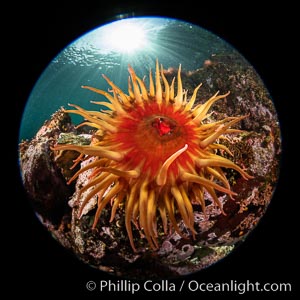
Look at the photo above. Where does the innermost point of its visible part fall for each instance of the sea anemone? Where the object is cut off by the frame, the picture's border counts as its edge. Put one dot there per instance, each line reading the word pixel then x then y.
pixel 155 153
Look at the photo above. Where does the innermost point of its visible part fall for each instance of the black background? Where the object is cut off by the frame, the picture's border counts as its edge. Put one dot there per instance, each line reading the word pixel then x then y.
pixel 38 265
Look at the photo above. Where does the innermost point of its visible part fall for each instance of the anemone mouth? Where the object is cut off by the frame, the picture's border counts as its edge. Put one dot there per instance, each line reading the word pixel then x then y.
pixel 155 154
pixel 165 127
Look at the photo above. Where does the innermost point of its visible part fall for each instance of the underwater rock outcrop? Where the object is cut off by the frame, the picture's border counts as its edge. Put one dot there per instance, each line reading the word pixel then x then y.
pixel 107 247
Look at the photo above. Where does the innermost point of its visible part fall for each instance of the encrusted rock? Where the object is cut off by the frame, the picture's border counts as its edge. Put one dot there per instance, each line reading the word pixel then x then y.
pixel 107 247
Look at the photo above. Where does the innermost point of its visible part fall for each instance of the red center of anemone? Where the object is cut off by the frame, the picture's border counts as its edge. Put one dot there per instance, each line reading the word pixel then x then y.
pixel 162 125
pixel 151 133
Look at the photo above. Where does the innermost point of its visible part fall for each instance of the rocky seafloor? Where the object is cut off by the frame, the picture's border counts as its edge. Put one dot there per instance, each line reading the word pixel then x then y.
pixel 45 174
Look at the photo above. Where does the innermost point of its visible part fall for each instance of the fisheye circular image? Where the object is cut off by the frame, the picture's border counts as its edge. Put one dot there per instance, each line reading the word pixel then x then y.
pixel 150 148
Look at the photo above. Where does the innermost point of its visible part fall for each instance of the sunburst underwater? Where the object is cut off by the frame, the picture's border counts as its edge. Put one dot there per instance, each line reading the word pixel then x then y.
pixel 155 153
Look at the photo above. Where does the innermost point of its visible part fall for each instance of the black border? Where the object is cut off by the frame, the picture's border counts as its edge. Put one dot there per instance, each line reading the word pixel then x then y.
pixel 262 34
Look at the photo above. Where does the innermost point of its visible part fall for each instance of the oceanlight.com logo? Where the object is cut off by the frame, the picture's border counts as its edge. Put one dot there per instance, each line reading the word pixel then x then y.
pixel 232 286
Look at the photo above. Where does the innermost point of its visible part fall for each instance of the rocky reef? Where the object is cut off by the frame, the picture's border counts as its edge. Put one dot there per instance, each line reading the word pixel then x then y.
pixel 45 174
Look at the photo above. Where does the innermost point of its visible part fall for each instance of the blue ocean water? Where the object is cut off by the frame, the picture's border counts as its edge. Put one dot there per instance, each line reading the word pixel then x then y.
pixel 101 51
